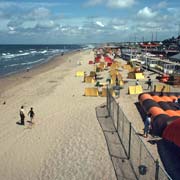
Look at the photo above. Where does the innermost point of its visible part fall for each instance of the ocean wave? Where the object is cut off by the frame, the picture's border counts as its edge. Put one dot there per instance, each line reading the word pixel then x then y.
pixel 33 51
pixel 16 58
pixel 24 63
pixel 9 56
pixel 11 65
pixel 43 52
pixel 32 62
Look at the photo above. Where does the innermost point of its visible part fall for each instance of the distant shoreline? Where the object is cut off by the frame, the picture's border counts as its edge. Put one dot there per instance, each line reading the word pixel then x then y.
pixel 16 78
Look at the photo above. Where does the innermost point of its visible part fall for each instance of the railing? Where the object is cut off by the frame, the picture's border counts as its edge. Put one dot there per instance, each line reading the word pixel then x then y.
pixel 142 161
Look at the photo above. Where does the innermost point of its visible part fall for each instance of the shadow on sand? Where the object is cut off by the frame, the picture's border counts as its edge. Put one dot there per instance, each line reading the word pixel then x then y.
pixel 18 123
pixel 122 166
pixel 170 157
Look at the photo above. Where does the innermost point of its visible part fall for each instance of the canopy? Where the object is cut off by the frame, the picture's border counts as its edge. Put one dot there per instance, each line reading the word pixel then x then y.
pixel 108 59
pixel 172 132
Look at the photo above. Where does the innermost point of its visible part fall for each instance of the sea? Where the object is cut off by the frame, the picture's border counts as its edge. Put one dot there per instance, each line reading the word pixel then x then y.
pixel 17 58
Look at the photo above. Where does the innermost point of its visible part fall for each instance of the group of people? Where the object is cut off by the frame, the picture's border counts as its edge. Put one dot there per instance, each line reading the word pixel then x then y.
pixel 31 114
pixel 149 83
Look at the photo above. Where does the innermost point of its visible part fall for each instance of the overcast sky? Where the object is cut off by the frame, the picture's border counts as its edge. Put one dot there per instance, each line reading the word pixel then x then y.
pixel 87 21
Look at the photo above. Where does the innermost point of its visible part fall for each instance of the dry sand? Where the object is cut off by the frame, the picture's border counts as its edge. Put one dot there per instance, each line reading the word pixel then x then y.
pixel 66 142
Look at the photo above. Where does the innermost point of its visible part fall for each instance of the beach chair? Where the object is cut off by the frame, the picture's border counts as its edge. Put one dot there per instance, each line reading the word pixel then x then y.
pixel 159 87
pixel 89 79
pixel 139 76
pixel 92 74
pixel 114 72
pixel 114 65
pixel 135 89
pixel 100 67
pixel 131 75
pixel 91 92
pixel 104 92
pixel 79 73
pixel 113 79
pixel 91 62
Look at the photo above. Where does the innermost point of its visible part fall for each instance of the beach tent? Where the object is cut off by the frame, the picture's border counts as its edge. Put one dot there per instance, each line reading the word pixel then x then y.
pixel 91 92
pixel 172 132
pixel 92 74
pixel 114 72
pixel 135 89
pixel 108 59
pixel 91 62
pixel 89 79
pixel 79 73
pixel 139 76
pixel 159 87
pixel 97 59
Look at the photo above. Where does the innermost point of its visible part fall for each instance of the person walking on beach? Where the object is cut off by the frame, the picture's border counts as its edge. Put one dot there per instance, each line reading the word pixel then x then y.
pixel 162 91
pixel 22 115
pixel 137 82
pixel 31 114
pixel 147 125
pixel 149 83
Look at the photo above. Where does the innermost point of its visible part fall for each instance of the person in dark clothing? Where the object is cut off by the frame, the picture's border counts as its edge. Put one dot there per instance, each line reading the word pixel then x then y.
pixel 162 91
pixel 147 125
pixel 149 83
pixel 137 82
pixel 117 81
pixel 22 115
pixel 31 114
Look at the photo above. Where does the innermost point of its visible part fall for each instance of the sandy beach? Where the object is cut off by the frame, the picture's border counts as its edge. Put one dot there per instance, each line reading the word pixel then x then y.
pixel 66 141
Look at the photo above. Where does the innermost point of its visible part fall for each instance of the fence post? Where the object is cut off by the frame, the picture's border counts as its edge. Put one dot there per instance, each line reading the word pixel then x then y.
pixel 117 117
pixel 108 100
pixel 129 148
pixel 157 170
pixel 109 103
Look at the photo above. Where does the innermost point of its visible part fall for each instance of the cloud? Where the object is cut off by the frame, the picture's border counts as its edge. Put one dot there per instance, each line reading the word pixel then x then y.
pixel 38 20
pixel 28 5
pixel 39 13
pixel 120 27
pixel 162 4
pixel 120 3
pixel 111 3
pixel 99 23
pixel 93 2
pixel 146 12
pixel 46 25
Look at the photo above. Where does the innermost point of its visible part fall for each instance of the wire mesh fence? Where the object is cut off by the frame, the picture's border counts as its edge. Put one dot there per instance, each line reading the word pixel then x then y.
pixel 143 164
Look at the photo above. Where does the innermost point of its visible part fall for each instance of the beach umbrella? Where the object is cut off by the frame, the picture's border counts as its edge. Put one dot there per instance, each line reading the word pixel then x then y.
pixel 108 59
pixel 97 59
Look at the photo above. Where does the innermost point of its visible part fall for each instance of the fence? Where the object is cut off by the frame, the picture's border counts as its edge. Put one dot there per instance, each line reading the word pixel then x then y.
pixel 143 163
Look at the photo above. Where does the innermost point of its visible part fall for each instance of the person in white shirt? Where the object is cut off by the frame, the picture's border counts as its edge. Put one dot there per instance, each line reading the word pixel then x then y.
pixel 22 115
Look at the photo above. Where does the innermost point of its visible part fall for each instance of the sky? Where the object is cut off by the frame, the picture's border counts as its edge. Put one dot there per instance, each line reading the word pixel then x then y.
pixel 87 21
